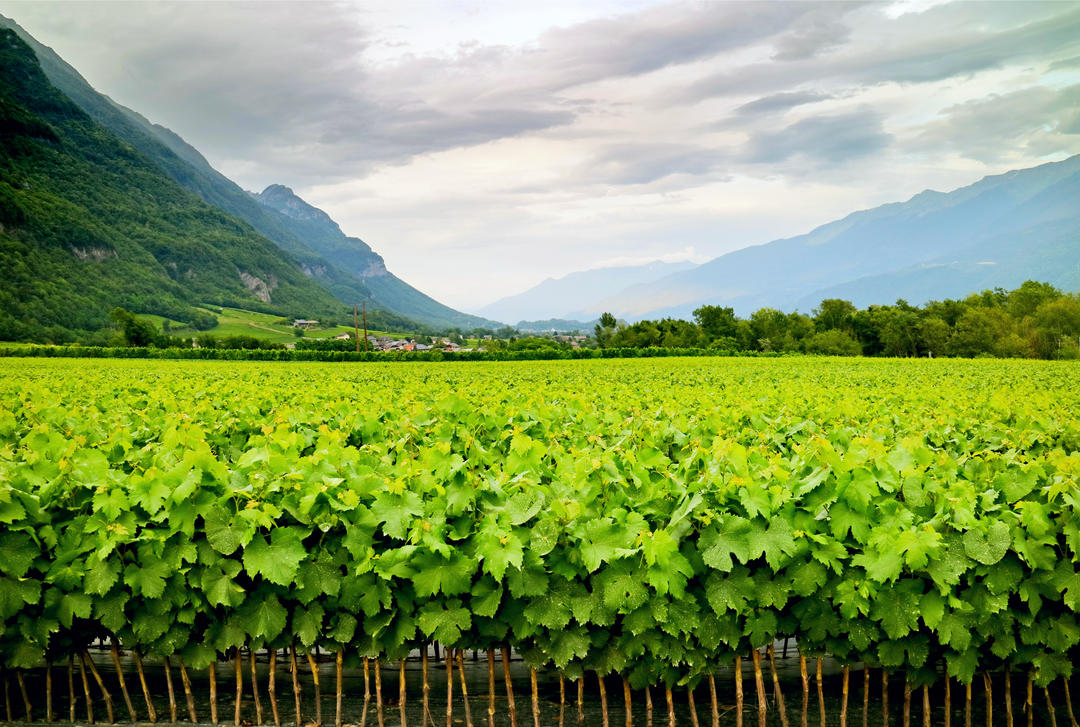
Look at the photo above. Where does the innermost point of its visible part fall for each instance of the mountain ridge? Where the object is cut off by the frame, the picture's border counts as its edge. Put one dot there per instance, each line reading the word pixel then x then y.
pixel 996 212
pixel 189 168
pixel 88 223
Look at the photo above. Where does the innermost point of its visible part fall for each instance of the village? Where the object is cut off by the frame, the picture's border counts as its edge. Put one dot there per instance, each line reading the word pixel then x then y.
pixel 435 343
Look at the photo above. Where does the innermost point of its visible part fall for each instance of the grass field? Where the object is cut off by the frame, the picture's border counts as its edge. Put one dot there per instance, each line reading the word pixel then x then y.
pixel 237 322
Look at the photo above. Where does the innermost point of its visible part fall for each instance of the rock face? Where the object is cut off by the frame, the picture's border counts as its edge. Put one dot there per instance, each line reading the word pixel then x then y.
pixel 320 233
pixel 259 288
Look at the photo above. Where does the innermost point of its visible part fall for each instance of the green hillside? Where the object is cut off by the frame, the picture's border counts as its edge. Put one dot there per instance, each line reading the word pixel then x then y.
pixel 87 223
pixel 345 266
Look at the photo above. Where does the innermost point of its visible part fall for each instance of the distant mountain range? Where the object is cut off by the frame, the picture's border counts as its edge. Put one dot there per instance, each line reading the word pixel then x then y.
pixel 998 232
pixel 347 268
pixel 577 296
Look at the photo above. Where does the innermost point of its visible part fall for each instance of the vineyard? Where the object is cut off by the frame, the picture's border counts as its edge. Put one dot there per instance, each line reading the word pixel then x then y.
pixel 631 530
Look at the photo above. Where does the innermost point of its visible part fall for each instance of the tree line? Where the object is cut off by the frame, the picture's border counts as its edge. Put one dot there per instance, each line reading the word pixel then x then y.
pixel 1035 320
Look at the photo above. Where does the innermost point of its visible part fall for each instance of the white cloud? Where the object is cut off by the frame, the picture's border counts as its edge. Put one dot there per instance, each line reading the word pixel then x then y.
pixel 483 147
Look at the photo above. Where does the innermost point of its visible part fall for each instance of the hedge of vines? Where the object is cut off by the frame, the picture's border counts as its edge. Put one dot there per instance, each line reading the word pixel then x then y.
pixel 642 518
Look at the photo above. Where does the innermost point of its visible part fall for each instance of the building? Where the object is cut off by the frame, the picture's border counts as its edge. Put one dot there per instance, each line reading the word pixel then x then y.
pixel 304 323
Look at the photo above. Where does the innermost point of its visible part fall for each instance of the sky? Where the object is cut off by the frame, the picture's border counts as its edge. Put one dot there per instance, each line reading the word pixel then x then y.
pixel 481 147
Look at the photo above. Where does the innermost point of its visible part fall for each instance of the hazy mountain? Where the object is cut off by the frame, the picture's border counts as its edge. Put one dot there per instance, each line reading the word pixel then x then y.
pixel 560 325
pixel 355 257
pixel 304 242
pixel 1000 231
pixel 88 223
pixel 576 296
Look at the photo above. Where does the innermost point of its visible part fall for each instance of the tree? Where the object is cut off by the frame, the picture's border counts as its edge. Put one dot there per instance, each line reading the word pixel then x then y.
pixel 1026 299
pixel 136 331
pixel 833 342
pixel 834 313
pixel 605 330
pixel 716 322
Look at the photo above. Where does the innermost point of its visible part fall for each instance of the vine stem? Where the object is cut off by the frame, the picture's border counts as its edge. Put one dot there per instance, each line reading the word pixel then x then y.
pixel 714 702
pixel 510 686
pixel 562 698
pixel 1068 703
pixel 172 692
pixel 778 693
pixel 114 650
pixel 820 694
pixel 535 698
pixel 100 682
pixel 337 671
pixel 427 687
pixel 238 671
pixel 255 687
pixel 271 687
pixel 449 686
pixel 581 698
pixel 189 696
pixel 212 673
pixel 1008 697
pixel 885 698
pixel 1049 708
pixel 844 696
pixel 71 691
pixel 367 692
pixel 603 699
pixel 693 707
pixel 145 688
pixel 86 688
pixel 926 705
pixel 48 692
pixel 967 705
pixel 759 688
pixel 738 692
pixel 907 699
pixel 865 697
pixel 295 681
pixel 401 692
pixel 670 707
pixel 465 689
pixel 648 706
pixel 988 687
pixel 491 687
pixel 25 696
pixel 627 703
pixel 7 697
pixel 318 691
pixel 378 692
pixel 1028 706
pixel 805 688
pixel 948 700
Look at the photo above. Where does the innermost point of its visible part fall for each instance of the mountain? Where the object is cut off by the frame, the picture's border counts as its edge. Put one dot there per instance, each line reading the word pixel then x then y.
pixel 88 223
pixel 556 325
pixel 352 255
pixel 576 295
pixel 999 231
pixel 304 242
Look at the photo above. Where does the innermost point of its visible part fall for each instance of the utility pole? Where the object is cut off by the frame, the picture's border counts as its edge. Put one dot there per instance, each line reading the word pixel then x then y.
pixel 365 330
pixel 356 329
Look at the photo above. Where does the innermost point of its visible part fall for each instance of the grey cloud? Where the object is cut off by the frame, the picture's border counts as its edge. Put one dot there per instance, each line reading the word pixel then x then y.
pixel 815 33
pixel 917 56
pixel 831 139
pixel 1036 121
pixel 781 102
pixel 646 163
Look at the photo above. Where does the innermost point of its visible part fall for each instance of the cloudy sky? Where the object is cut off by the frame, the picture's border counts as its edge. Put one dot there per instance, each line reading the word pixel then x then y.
pixel 481 147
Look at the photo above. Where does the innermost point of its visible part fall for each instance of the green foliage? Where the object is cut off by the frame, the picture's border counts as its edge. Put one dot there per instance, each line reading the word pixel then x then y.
pixel 88 224
pixel 673 514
